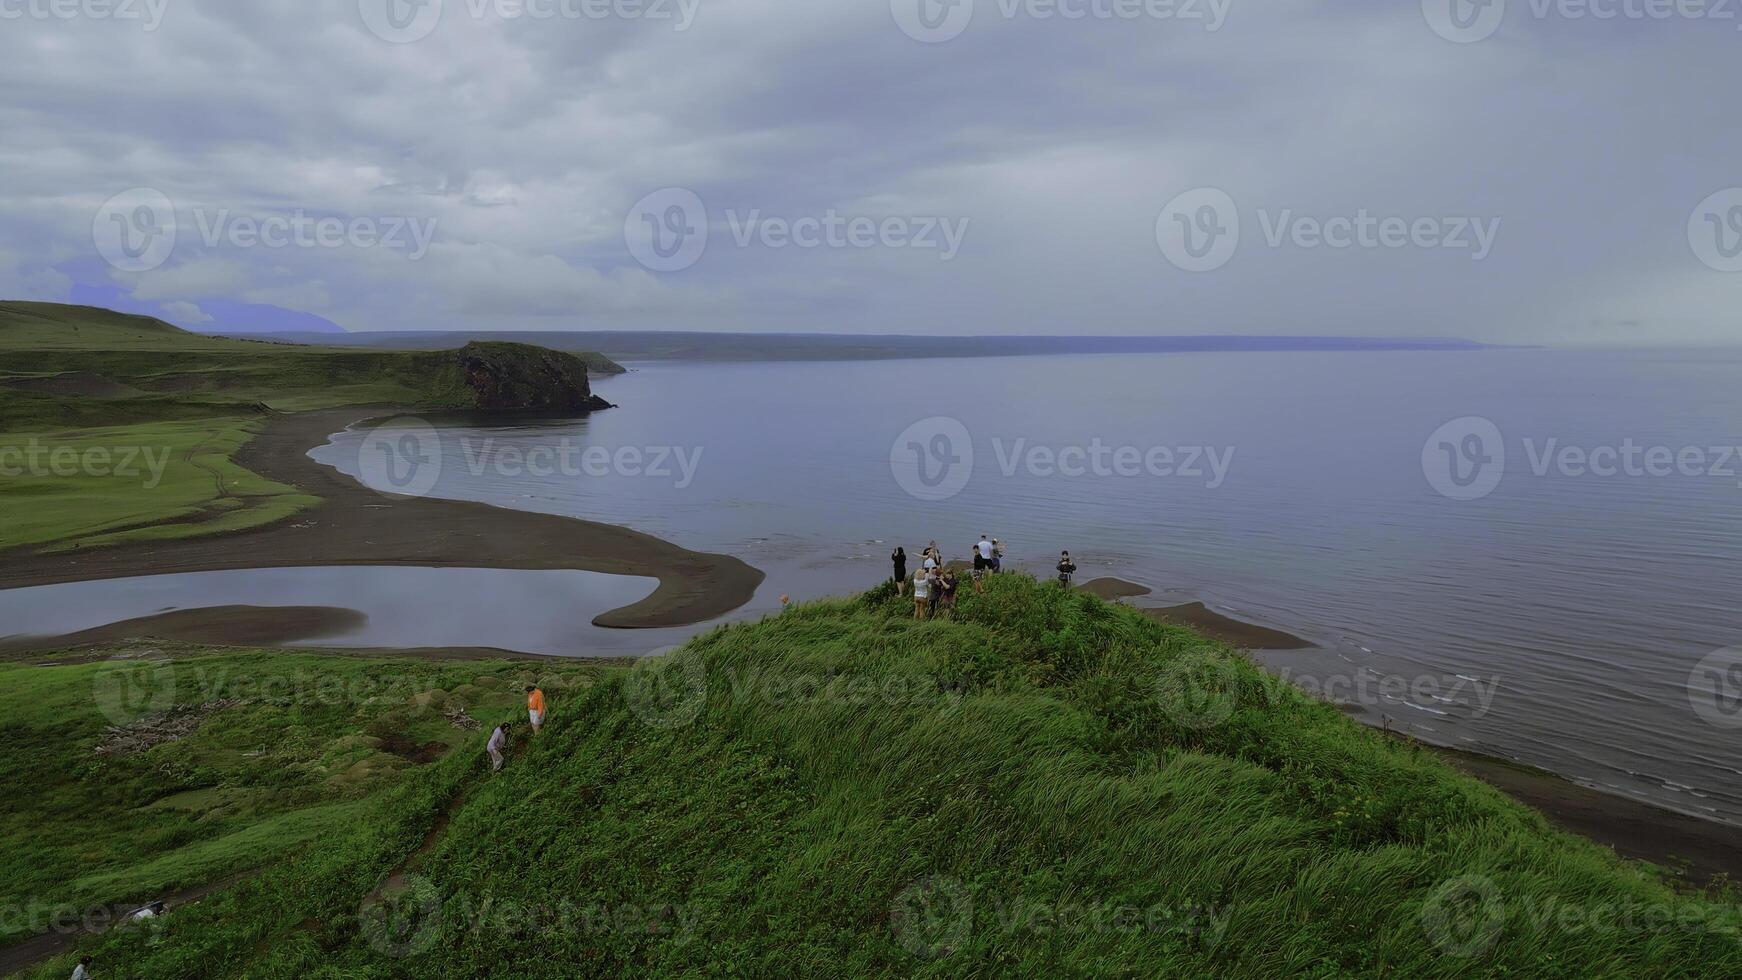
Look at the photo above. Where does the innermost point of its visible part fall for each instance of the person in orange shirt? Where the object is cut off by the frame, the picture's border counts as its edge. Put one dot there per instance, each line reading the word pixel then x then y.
pixel 535 708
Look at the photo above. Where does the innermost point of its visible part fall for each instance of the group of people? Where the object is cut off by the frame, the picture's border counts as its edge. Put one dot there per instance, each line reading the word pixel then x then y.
pixel 934 583
pixel 497 747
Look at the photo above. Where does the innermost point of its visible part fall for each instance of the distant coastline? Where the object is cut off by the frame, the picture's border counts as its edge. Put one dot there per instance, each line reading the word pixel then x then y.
pixel 627 345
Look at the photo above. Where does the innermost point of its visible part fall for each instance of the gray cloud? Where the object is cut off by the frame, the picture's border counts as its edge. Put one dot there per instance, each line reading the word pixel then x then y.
pixel 525 143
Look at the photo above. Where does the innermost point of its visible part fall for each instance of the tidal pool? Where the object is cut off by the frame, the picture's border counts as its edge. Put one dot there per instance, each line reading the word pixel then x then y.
pixel 544 612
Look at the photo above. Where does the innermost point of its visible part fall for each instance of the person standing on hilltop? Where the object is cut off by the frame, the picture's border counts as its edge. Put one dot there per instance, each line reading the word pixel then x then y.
pixel 900 560
pixel 535 707
pixel 921 592
pixel 982 562
pixel 997 557
pixel 497 745
pixel 1066 569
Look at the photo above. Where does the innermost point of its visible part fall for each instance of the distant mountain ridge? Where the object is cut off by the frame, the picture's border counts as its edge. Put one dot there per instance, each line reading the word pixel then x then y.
pixel 631 345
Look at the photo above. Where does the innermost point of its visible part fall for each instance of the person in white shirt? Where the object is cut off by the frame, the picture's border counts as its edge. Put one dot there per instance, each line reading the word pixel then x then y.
pixel 83 970
pixel 982 562
pixel 497 745
pixel 922 592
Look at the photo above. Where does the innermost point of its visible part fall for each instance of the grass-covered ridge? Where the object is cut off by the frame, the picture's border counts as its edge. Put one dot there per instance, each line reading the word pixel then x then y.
pixel 83 390
pixel 1048 785
pixel 69 366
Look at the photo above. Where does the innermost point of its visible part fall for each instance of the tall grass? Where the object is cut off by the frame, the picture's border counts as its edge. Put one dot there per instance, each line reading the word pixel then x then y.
pixel 1047 785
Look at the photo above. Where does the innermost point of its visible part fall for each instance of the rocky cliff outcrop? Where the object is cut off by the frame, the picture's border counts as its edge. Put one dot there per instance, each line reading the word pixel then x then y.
pixel 522 378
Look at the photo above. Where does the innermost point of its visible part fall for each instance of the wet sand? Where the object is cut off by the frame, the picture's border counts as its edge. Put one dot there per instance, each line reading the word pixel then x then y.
pixel 357 526
pixel 1700 848
pixel 218 625
pixel 1633 829
pixel 1247 636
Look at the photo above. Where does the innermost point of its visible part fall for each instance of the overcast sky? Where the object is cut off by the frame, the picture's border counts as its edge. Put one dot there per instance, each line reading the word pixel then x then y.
pixel 1528 173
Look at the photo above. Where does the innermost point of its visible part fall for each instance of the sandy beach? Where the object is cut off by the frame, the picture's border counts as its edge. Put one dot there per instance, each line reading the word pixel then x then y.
pixel 357 526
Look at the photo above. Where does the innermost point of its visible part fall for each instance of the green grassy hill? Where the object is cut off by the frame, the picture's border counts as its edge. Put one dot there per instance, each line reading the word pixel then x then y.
pixel 77 379
pixel 73 366
pixel 1048 785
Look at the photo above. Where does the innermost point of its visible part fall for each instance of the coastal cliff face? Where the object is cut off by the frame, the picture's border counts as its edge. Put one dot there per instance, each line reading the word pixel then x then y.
pixel 511 377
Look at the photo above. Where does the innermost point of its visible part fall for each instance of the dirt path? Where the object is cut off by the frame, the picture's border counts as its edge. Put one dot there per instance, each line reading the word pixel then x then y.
pixel 357 526
pixel 21 956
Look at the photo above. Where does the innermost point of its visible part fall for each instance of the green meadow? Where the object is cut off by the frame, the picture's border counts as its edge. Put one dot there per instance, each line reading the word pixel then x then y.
pixel 116 427
pixel 1046 785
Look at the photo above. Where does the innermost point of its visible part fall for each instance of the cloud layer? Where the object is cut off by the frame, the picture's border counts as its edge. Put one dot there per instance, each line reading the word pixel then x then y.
pixel 487 164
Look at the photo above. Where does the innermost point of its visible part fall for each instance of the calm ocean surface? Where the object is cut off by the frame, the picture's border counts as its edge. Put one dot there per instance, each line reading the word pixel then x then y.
pixel 1567 619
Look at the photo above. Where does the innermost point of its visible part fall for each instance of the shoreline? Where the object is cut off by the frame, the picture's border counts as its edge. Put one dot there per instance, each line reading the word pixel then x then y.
pixel 354 525
pixel 1632 828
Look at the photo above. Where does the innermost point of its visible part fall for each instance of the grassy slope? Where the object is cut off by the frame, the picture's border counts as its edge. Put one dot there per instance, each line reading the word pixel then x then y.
pixel 149 481
pixel 153 386
pixel 844 791
pixel 287 764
